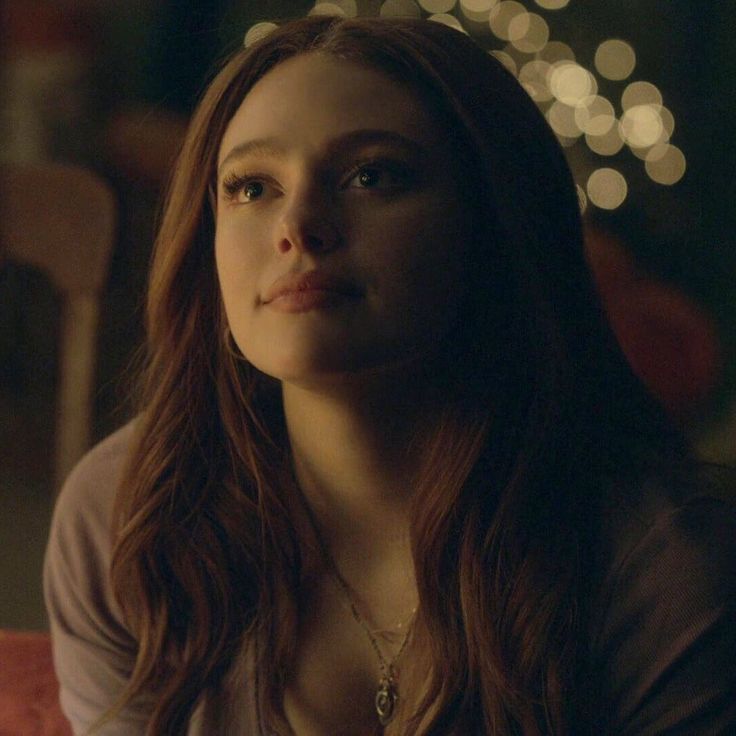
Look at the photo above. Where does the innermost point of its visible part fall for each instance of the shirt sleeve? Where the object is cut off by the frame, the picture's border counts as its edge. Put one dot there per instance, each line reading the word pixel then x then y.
pixel 665 652
pixel 93 652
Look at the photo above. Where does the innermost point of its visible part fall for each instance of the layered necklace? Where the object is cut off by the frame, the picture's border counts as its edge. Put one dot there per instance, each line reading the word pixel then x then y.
pixel 387 692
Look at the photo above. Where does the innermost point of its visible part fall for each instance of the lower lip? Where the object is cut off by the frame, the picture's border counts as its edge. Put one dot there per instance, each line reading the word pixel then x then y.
pixel 307 300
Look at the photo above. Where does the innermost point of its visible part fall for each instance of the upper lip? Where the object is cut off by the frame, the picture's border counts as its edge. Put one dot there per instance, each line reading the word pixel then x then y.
pixel 308 281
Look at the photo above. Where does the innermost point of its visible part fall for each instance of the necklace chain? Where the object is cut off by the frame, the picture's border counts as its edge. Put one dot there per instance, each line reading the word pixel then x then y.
pixel 387 693
pixel 386 667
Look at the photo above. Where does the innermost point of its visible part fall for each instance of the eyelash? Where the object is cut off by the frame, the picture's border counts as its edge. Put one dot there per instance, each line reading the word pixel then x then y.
pixel 402 173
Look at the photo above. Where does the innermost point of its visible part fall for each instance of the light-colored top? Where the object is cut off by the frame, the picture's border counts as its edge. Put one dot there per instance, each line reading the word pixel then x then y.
pixel 662 644
pixel 94 653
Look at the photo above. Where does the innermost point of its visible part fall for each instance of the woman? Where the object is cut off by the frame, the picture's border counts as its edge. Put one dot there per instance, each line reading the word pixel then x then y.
pixel 390 473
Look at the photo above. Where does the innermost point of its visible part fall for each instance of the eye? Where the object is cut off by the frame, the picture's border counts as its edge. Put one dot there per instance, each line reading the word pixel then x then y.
pixel 251 190
pixel 369 177
pixel 244 189
pixel 380 175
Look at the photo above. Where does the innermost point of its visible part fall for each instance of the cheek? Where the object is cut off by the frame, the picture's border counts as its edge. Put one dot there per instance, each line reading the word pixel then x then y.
pixel 237 271
pixel 422 258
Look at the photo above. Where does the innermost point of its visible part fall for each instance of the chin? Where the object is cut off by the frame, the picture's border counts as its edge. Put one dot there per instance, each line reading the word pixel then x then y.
pixel 343 369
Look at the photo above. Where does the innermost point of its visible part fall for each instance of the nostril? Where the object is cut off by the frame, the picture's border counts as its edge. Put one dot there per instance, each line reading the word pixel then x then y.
pixel 316 236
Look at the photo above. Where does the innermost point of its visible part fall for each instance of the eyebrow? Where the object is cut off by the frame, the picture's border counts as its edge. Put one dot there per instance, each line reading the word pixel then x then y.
pixel 275 148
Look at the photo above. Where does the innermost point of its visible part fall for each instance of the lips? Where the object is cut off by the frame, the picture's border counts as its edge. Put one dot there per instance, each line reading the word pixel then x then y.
pixel 304 292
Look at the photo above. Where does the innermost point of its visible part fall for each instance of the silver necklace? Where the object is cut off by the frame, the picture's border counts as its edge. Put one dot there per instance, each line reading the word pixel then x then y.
pixel 387 692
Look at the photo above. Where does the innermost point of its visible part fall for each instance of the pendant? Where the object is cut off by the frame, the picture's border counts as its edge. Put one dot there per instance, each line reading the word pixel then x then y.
pixel 386 697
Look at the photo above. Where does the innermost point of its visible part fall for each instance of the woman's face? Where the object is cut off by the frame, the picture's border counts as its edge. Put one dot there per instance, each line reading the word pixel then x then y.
pixel 341 240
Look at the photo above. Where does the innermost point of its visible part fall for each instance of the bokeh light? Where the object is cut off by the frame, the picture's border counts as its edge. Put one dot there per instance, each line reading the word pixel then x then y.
pixel 595 115
pixel 640 93
pixel 448 20
pixel 501 16
pixel 438 6
pixel 556 51
pixel 477 10
pixel 641 126
pixel 615 59
pixel 533 77
pixel 506 59
pixel 552 4
pixel 607 188
pixel 561 118
pixel 606 145
pixel 400 9
pixel 528 33
pixel 257 32
pixel 665 164
pixel 582 199
pixel 571 83
pixel 332 8
pixel 349 6
pixel 668 122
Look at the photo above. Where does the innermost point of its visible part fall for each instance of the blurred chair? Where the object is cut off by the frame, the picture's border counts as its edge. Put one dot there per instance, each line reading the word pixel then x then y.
pixel 29 691
pixel 62 220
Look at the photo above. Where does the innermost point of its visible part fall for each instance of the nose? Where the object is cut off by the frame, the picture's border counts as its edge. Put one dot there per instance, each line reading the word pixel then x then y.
pixel 308 223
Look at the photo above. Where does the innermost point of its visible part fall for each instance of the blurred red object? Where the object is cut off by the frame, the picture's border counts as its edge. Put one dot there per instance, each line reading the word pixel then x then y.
pixel 29 691
pixel 46 25
pixel 670 342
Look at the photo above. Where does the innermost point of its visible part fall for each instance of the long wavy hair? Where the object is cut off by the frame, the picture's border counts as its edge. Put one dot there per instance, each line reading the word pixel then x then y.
pixel 540 411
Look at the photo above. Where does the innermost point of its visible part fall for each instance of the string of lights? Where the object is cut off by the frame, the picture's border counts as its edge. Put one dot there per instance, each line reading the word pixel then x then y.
pixel 632 117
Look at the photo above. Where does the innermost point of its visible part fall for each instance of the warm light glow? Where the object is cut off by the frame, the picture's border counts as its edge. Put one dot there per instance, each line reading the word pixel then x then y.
pixel 533 77
pixel 477 10
pixel 257 32
pixel 654 153
pixel 552 4
pixel 506 59
pixel 665 164
pixel 448 20
pixel 641 126
pixel 582 199
pixel 615 59
pixel 640 93
pixel 535 33
pixel 437 6
pixel 595 115
pixel 328 9
pixel 556 51
pixel 566 142
pixel 518 27
pixel 501 16
pixel 668 123
pixel 571 83
pixel 400 9
pixel 606 145
pixel 349 6
pixel 607 188
pixel 561 118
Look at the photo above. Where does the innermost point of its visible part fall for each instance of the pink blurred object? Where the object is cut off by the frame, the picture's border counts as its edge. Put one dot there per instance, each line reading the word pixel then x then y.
pixel 29 691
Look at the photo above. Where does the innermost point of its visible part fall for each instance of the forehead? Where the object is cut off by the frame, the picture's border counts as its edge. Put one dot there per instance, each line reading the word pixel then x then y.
pixel 313 95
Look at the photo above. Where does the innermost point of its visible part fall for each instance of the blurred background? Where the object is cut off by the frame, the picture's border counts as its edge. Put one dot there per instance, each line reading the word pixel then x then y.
pixel 639 92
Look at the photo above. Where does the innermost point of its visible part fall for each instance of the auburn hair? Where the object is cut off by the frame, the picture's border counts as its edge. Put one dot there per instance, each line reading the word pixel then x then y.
pixel 540 412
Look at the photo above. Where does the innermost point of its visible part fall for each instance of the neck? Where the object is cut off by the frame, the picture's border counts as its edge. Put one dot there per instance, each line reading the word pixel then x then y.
pixel 356 451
